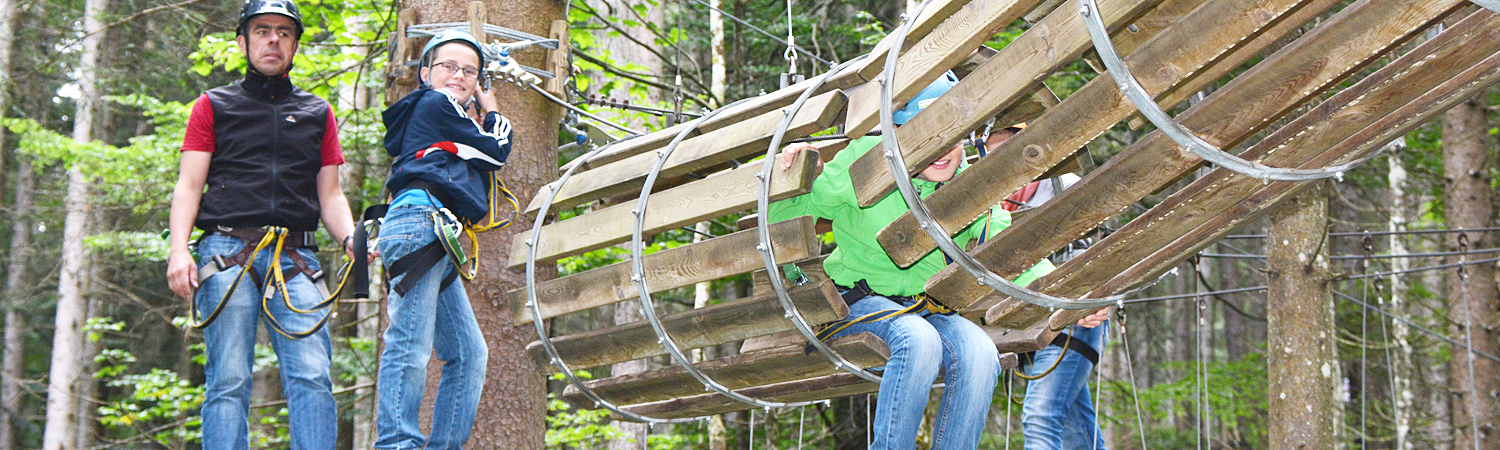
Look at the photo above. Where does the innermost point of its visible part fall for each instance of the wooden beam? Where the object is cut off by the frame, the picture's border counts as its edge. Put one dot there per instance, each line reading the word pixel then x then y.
pixel 831 386
pixel 932 17
pixel 712 259
pixel 1086 114
pixel 1301 71
pixel 698 153
pixel 1010 75
pixel 557 60
pixel 1387 103
pixel 765 367
pixel 945 47
pixel 725 322
pixel 1194 83
pixel 813 267
pixel 727 192
pixel 1368 139
pixel 1020 340
pixel 399 74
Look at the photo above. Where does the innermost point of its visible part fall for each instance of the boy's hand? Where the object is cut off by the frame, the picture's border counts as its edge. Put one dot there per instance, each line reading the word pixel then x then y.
pixel 790 152
pixel 487 101
pixel 1093 320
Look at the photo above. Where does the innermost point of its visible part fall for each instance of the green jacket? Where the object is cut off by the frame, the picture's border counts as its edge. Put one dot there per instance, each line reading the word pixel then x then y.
pixel 859 256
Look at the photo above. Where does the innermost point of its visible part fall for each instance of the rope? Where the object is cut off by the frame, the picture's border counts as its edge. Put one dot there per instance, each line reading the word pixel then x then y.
pixel 1135 393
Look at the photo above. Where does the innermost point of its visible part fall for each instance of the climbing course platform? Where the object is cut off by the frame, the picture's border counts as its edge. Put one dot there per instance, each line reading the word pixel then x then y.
pixel 1293 100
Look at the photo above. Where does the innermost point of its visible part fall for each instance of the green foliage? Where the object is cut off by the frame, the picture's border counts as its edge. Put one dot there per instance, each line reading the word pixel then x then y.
pixel 570 428
pixel 1236 398
pixel 159 406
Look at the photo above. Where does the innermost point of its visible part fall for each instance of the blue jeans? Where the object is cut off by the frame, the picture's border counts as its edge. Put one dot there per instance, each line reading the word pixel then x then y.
pixel 230 351
pixel 1058 412
pixel 423 321
pixel 920 347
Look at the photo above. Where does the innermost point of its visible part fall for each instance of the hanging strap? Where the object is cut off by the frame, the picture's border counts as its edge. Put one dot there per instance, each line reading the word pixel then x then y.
pixel 415 265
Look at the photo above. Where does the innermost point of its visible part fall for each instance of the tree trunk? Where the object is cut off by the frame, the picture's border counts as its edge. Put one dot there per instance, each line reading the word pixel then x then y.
pixel 67 338
pixel 1400 365
pixel 1472 294
pixel 14 343
pixel 716 81
pixel 1302 358
pixel 513 409
pixel 632 434
pixel 88 387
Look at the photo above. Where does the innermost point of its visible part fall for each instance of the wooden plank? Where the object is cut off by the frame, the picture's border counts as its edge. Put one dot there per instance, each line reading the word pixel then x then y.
pixel 1302 70
pixel 832 386
pixel 1250 198
pixel 946 46
pixel 1010 75
pixel 932 17
pixel 1083 116
pixel 728 192
pixel 1153 242
pixel 1028 108
pixel 1447 59
pixel 725 322
pixel 720 257
pixel 813 267
pixel 1191 85
pixel 698 153
pixel 765 367
pixel 1020 340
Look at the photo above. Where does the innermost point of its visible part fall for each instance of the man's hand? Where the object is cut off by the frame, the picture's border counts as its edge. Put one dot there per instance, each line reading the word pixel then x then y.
pixel 790 152
pixel 182 273
pixel 1093 320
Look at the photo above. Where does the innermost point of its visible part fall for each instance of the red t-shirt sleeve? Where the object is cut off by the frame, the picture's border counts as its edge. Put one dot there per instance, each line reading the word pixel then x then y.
pixel 200 127
pixel 332 154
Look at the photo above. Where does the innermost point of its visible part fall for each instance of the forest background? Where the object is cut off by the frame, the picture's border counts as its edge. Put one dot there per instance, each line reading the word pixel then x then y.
pixel 94 95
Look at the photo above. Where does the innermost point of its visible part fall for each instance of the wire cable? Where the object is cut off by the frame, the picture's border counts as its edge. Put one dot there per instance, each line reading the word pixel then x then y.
pixel 768 34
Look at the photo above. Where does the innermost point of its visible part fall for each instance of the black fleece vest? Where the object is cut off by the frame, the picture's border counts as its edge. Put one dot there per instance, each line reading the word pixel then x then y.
pixel 268 137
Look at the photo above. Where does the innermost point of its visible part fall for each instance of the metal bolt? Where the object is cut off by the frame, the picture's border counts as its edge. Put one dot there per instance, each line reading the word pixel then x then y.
pixel 1084 11
pixel 636 211
pixel 760 175
pixel 760 247
pixel 529 243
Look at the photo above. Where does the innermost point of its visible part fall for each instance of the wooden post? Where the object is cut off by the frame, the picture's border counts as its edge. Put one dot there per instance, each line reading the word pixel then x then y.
pixel 400 79
pixel 557 60
pixel 478 15
pixel 1302 355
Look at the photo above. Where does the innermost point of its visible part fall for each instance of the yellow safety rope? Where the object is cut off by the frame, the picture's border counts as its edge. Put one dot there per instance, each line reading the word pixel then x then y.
pixel 274 283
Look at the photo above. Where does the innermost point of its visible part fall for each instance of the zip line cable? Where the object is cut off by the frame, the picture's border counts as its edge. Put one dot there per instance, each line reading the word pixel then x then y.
pixel 768 34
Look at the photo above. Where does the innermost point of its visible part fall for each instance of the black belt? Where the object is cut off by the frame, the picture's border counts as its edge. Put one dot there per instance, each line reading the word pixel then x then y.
pixel 1063 340
pixel 294 239
pixel 862 289
pixel 433 189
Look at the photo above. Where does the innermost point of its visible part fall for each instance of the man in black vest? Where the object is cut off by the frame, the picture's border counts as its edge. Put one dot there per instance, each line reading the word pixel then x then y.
pixel 268 155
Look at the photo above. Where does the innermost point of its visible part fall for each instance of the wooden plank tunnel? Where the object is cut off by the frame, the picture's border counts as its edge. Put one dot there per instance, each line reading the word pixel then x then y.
pixel 1246 105
pixel 1178 48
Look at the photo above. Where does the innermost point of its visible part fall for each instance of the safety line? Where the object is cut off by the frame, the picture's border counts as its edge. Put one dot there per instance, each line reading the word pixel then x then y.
pixel 769 35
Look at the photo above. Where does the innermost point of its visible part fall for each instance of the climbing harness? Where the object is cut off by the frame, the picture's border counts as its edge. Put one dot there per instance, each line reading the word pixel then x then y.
pixel 446 226
pixel 273 282
pixel 915 304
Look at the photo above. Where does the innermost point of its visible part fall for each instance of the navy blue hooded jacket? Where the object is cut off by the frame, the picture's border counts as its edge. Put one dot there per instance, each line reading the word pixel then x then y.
pixel 427 117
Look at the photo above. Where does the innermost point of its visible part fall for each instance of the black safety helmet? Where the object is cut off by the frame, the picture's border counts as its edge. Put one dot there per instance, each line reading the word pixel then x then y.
pixel 257 7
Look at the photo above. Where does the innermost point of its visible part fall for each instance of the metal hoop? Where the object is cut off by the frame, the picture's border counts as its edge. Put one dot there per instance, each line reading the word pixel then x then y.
pixel 1147 106
pixel 1492 5
pixel 767 251
pixel 919 208
pixel 536 311
pixel 638 275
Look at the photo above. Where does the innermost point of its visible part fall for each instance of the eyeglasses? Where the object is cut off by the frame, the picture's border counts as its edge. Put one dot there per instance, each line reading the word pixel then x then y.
pixel 453 67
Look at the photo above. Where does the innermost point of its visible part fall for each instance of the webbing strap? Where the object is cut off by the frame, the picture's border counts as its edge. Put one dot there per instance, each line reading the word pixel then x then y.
pixel 415 265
